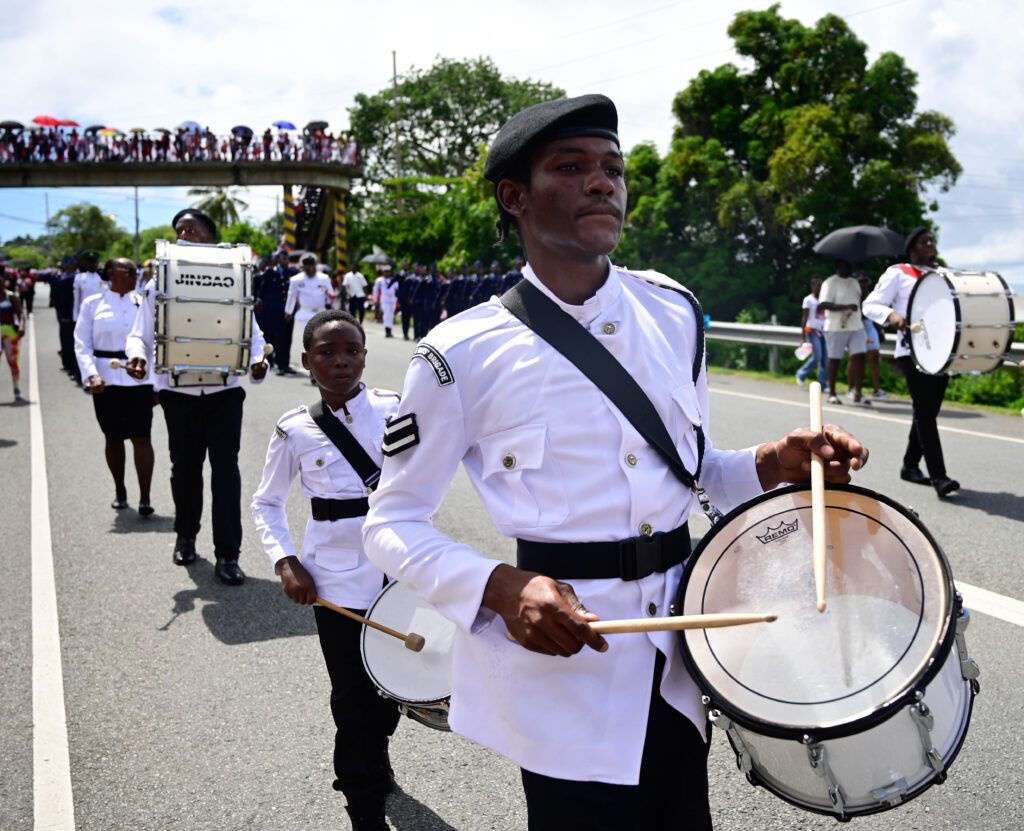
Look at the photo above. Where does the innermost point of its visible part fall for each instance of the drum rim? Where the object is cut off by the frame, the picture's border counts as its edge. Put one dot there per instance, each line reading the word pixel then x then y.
pixel 956 332
pixel 416 702
pixel 883 712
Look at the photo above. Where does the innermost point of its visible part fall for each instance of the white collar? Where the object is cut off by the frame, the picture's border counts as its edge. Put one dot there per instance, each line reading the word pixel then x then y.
pixel 593 307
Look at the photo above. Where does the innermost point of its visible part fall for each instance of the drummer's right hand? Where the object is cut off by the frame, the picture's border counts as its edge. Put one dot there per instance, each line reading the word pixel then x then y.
pixel 136 367
pixel 296 582
pixel 541 614
pixel 95 384
pixel 896 319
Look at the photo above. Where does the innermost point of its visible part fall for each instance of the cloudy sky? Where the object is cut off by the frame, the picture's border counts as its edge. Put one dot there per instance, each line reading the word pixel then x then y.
pixel 128 62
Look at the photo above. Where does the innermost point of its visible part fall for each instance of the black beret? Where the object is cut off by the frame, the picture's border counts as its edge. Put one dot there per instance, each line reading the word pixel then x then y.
pixel 199 216
pixel 912 238
pixel 587 115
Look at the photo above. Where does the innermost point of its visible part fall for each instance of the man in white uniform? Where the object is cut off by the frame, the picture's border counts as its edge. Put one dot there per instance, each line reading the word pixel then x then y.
pixel 613 736
pixel 309 292
pixel 355 285
pixel 88 281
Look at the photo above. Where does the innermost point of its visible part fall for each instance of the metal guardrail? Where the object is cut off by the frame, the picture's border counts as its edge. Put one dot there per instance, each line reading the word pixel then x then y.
pixel 765 334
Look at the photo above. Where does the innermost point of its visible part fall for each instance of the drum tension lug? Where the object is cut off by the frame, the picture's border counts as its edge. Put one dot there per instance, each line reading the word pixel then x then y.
pixel 925 722
pixel 968 668
pixel 817 757
pixel 744 761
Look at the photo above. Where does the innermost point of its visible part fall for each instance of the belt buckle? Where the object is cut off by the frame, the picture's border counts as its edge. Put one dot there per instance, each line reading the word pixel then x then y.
pixel 640 557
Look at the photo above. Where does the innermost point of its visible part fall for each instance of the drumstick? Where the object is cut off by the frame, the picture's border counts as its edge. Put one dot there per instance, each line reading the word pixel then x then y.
pixel 818 502
pixel 412 640
pixel 916 327
pixel 677 623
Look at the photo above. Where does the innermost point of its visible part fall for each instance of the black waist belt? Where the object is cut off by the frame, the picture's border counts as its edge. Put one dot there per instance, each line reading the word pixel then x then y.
pixel 327 510
pixel 630 559
pixel 110 353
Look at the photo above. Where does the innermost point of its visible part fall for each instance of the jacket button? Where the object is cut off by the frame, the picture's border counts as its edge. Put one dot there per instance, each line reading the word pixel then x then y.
pixel 319 462
pixel 509 461
pixel 645 529
pixel 608 328
pixel 652 609
pixel 631 460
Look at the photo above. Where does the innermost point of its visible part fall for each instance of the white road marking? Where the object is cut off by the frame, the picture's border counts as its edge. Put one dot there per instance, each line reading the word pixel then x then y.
pixel 53 805
pixel 990 603
pixel 860 412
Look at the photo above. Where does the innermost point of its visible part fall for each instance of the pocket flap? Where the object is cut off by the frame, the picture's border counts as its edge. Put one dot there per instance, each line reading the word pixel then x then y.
pixel 336 559
pixel 318 459
pixel 686 397
pixel 518 448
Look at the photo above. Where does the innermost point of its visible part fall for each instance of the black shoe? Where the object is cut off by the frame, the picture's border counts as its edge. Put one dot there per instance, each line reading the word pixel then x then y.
pixel 229 573
pixel 184 551
pixel 367 820
pixel 289 371
pixel 914 474
pixel 120 502
pixel 145 509
pixel 944 486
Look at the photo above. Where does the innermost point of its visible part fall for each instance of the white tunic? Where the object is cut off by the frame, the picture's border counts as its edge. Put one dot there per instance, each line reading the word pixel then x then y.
pixel 104 322
pixel 553 460
pixel 87 283
pixel 332 552
pixel 309 294
pixel 892 294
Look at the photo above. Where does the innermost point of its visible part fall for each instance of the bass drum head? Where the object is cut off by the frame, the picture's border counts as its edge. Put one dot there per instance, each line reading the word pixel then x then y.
pixel 886 631
pixel 933 306
pixel 407 676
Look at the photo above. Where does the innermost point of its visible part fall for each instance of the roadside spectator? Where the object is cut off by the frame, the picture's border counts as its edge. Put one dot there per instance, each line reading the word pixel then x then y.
pixel 840 298
pixel 812 325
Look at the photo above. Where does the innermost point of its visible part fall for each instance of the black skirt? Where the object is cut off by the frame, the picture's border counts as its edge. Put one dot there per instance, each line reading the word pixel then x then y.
pixel 125 412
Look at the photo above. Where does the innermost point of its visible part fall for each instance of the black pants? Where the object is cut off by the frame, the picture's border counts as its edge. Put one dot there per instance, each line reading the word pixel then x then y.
pixel 926 393
pixel 283 348
pixel 67 350
pixel 198 425
pixel 406 312
pixel 365 720
pixel 673 789
pixel 357 308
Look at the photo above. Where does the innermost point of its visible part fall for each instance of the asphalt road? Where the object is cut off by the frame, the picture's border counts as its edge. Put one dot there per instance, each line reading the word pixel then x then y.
pixel 191 705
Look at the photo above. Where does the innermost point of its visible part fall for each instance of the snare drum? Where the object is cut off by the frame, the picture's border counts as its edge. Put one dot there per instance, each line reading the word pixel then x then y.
pixel 420 682
pixel 848 712
pixel 960 321
pixel 203 312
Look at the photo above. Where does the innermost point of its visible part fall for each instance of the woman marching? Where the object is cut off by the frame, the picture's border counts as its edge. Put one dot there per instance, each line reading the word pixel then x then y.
pixel 12 330
pixel 124 406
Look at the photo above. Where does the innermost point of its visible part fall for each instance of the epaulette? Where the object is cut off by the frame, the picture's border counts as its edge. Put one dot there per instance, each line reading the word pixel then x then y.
pixel 279 427
pixel 387 393
pixel 658 280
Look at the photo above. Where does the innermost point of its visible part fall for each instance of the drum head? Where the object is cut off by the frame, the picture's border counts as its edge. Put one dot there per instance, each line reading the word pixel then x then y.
pixel 933 306
pixel 885 631
pixel 412 677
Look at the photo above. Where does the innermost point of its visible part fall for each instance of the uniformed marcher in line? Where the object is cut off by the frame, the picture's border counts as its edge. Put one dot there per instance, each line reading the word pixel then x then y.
pixel 404 295
pixel 475 284
pixel 87 281
pixel 271 294
pixel 200 420
pixel 63 294
pixel 331 562
pixel 612 737
pixel 514 275
pixel 309 292
pixel 283 355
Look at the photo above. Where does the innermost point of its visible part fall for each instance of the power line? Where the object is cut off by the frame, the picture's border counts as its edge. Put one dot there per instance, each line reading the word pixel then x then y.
pixel 21 219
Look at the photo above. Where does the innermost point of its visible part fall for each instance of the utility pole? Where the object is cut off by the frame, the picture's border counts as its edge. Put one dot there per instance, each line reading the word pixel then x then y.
pixel 49 231
pixel 398 139
pixel 138 239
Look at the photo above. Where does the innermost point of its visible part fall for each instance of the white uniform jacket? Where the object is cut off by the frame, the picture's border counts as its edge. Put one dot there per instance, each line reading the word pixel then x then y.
pixel 553 460
pixel 892 294
pixel 308 295
pixel 332 552
pixel 140 345
pixel 104 322
pixel 86 284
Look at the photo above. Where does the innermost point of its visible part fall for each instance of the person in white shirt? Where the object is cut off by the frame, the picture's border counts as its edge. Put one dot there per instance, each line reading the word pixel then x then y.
pixel 309 292
pixel 124 405
pixel 87 282
pixel 331 562
pixel 355 285
pixel 612 737
pixel 844 332
pixel 812 326
pixel 201 420
pixel 385 290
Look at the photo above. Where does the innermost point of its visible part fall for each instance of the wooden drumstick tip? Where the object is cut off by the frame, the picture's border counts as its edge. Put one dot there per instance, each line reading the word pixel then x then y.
pixel 268 349
pixel 822 605
pixel 916 327
pixel 415 642
pixel 115 363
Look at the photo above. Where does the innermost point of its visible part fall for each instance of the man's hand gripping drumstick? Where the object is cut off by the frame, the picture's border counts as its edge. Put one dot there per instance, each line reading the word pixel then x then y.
pixel 136 367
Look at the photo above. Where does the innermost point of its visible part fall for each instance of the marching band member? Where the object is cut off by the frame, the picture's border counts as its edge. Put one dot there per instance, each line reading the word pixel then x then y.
pixel 200 420
pixel 87 281
pixel 124 405
pixel 612 737
pixel 309 292
pixel 385 289
pixel 331 562
pixel 887 305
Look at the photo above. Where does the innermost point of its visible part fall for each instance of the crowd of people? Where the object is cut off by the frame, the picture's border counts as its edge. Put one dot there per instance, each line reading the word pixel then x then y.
pixel 49 145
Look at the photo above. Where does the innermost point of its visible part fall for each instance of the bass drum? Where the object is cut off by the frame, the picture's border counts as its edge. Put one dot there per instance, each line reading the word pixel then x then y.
pixel 848 712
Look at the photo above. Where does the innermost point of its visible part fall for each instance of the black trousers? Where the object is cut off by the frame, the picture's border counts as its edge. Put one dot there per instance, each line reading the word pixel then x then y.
pixel 198 425
pixel 673 789
pixel 365 719
pixel 406 312
pixel 283 347
pixel 926 393
pixel 357 308
pixel 67 350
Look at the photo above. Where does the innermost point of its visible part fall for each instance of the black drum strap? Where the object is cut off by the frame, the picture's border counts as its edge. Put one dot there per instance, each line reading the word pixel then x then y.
pixel 341 438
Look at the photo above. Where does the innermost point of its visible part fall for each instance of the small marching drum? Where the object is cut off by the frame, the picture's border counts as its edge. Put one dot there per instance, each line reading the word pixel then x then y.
pixel 203 312
pixel 421 682
pixel 848 712
pixel 960 321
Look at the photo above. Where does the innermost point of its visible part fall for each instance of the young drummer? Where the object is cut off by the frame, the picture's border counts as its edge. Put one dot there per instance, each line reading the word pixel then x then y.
pixel 337 478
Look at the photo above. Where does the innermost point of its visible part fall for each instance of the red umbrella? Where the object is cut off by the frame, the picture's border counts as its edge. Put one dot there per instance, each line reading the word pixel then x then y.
pixel 46 121
pixel 67 122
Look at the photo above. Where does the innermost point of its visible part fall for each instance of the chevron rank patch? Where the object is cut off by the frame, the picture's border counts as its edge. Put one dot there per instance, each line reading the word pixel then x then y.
pixel 401 434
pixel 442 372
pixel 281 432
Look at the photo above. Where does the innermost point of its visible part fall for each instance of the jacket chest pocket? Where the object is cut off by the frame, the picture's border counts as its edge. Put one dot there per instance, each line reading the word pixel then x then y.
pixel 687 420
pixel 524 483
pixel 325 469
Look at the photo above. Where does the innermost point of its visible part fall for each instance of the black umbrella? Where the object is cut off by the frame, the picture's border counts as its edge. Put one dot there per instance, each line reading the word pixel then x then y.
pixel 378 257
pixel 860 242
pixel 241 130
pixel 95 128
pixel 313 126
pixel 11 125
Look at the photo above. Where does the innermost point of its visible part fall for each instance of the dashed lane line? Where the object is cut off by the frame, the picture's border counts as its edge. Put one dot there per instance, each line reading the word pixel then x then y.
pixel 53 806
pixel 990 603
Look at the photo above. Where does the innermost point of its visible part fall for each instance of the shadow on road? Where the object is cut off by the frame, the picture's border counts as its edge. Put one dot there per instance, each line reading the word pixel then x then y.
pixel 407 814
pixel 21 402
pixel 1007 505
pixel 255 611
pixel 7 443
pixel 129 522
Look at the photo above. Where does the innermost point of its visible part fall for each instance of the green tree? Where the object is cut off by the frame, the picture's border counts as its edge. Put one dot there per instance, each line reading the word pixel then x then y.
pixel 82 226
pixel 125 246
pixel 32 256
pixel 765 161
pixel 221 204
pixel 245 232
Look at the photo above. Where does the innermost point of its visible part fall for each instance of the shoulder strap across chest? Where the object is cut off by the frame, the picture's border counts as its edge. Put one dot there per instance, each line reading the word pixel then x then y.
pixel 346 443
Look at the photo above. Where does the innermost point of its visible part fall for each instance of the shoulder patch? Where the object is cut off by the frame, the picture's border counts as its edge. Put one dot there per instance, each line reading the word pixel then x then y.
pixel 400 434
pixel 281 432
pixel 442 372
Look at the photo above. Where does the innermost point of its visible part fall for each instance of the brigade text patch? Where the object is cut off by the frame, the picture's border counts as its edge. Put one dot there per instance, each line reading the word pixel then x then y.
pixel 442 371
pixel 400 434
pixel 281 431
